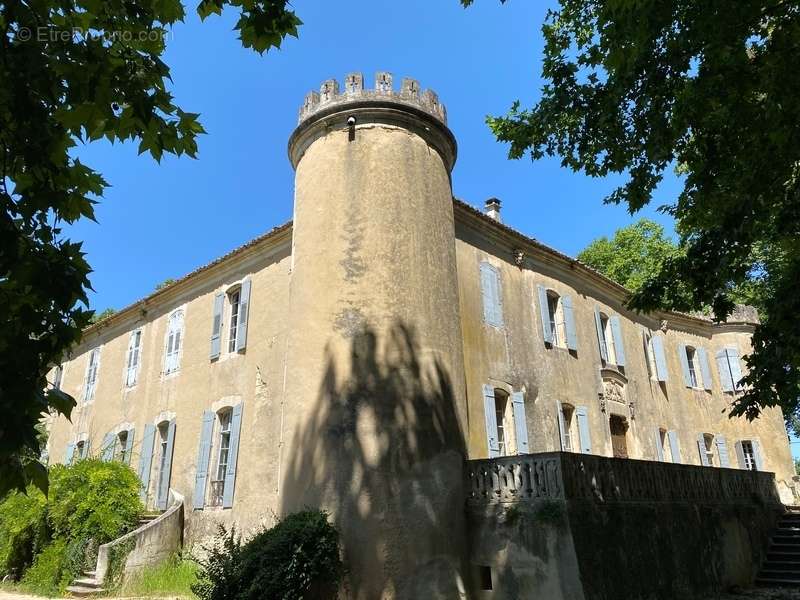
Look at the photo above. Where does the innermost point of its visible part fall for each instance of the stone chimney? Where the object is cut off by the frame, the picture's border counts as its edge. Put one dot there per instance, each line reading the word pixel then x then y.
pixel 492 209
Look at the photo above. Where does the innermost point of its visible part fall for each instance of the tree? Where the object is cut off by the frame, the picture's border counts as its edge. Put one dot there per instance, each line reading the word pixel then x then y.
pixel 76 71
pixel 710 90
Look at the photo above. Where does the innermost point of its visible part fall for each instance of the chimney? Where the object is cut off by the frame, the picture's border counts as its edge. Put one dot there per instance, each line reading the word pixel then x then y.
pixel 492 209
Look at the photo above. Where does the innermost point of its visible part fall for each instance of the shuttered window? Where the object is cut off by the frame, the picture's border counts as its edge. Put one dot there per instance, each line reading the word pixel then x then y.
pixel 491 295
pixel 730 370
pixel 133 358
pixel 174 342
pixel 91 375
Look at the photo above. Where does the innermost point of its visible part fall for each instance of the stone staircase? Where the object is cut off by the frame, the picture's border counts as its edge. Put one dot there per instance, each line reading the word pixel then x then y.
pixel 87 584
pixel 782 566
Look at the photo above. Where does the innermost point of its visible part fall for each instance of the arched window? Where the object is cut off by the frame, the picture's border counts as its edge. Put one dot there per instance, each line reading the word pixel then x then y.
pixel 174 342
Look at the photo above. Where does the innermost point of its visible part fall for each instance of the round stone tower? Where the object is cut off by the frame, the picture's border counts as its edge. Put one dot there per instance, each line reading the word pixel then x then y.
pixel 374 405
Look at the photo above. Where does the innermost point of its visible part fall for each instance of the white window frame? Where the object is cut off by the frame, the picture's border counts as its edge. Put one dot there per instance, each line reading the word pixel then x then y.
pixel 121 445
pixel 223 437
pixel 650 353
pixel 92 373
pixel 133 357
pixel 709 440
pixel 694 367
pixel 749 457
pixel 162 441
pixel 608 338
pixel 557 322
pixel 175 329
pixel 568 414
pixel 233 299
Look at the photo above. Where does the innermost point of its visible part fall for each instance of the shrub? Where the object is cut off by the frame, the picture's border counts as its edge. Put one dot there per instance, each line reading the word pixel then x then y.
pixel 94 500
pixel 48 576
pixel 299 554
pixel 174 576
pixel 23 531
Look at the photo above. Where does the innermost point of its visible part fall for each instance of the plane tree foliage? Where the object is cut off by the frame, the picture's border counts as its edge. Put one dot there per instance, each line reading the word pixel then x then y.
pixel 73 72
pixel 708 90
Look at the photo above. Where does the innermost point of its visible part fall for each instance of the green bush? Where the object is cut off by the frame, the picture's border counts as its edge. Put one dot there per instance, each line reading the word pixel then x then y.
pixel 24 531
pixel 286 562
pixel 94 500
pixel 48 576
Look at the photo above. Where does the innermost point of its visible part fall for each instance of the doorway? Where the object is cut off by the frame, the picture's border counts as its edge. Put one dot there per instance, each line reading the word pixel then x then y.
pixel 619 430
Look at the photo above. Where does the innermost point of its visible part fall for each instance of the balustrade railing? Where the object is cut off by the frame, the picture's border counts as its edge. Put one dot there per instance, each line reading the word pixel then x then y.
pixel 568 476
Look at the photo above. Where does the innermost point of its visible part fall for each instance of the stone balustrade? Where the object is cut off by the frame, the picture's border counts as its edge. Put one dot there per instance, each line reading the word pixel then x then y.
pixel 570 476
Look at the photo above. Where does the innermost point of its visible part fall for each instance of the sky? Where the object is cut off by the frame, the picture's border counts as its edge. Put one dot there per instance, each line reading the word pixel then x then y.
pixel 161 221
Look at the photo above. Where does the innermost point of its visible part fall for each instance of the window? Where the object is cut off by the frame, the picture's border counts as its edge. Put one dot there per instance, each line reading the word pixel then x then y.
pixel 730 370
pixel 174 341
pixel 555 312
pixel 132 363
pixel 91 375
pixel 490 290
pixel 661 444
pixel 568 413
pixel 708 449
pixel 748 455
pixel 81 449
pixel 650 353
pixel 218 484
pixel 608 338
pixel 500 406
pixel 233 301
pixel 691 361
pixel 121 448
pixel 164 463
pixel 58 375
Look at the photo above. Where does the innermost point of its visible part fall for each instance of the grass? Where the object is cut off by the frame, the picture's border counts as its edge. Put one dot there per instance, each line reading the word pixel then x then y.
pixel 172 577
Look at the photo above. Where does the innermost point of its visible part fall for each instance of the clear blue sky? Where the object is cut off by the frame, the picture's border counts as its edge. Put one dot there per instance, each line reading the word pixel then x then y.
pixel 162 221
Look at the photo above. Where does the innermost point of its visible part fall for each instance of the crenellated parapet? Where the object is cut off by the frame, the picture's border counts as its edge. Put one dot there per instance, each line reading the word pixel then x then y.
pixel 331 95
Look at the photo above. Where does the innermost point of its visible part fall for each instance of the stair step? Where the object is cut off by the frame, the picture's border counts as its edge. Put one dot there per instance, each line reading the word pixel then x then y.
pixel 90 574
pixel 770 573
pixel 782 565
pixel 81 591
pixel 786 539
pixel 778 582
pixel 787 548
pixel 89 582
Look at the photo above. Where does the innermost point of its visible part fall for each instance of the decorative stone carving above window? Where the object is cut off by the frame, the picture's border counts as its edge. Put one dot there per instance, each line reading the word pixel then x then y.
pixel 614 388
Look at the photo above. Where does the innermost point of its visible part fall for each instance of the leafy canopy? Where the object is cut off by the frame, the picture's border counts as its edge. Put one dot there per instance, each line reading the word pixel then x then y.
pixel 73 72
pixel 709 89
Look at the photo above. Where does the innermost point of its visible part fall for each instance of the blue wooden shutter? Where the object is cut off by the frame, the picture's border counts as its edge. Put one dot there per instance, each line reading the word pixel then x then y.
pixel 674 448
pixel 216 326
pixel 687 378
pixel 244 309
pixel 107 451
pixel 569 323
pixel 659 445
pixel 757 455
pixel 491 421
pixel 233 452
pixel 163 491
pixel 69 454
pixel 544 312
pixel 520 423
pixel 129 445
pixel 146 459
pixel 737 446
pixel 562 429
pixel 722 450
pixel 203 456
pixel 724 371
pixel 660 358
pixel 582 414
pixel 619 347
pixel 601 338
pixel 701 447
pixel 705 369
pixel 736 368
pixel 490 290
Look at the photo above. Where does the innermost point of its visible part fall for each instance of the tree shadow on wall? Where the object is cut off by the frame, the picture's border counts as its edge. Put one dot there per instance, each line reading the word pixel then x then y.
pixel 383 451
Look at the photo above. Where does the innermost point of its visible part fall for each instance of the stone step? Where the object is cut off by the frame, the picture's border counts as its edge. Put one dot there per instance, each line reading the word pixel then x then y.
pixel 89 582
pixel 782 538
pixel 782 565
pixel 82 592
pixel 778 581
pixel 787 548
pixel 90 574
pixel 770 572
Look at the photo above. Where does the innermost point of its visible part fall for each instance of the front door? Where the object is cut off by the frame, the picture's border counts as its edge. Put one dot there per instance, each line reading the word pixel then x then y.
pixel 619 429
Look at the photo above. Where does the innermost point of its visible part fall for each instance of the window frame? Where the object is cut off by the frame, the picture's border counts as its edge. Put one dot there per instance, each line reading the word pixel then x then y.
pixel 233 311
pixel 121 445
pixel 608 338
pixel 749 457
pixel 92 373
pixel 132 370
pixel 650 356
pixel 175 329
pixel 556 319
pixel 709 440
pixel 693 363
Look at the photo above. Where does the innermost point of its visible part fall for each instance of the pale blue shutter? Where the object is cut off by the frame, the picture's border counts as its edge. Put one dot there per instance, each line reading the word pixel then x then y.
pixel 601 338
pixel 757 455
pixel 722 450
pixel 569 323
pixel 674 448
pixel 737 446
pixel 490 290
pixel 146 459
pixel 203 455
pixel 129 445
pixel 660 358
pixel 582 414
pixel 491 421
pixel 701 447
pixel 244 309
pixel 163 491
pixel 520 423
pixel 107 451
pixel 659 445
pixel 233 452
pixel 69 454
pixel 736 368
pixel 705 369
pixel 687 378
pixel 216 326
pixel 562 429
pixel 544 312
pixel 619 347
pixel 724 371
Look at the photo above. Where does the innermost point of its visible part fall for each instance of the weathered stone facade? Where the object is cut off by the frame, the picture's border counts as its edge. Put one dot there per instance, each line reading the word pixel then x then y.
pixel 354 358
